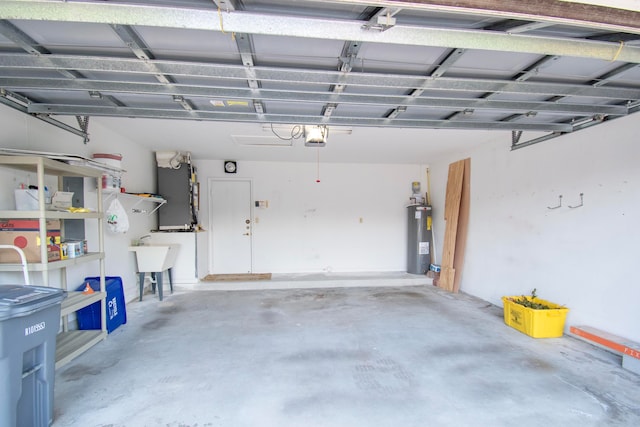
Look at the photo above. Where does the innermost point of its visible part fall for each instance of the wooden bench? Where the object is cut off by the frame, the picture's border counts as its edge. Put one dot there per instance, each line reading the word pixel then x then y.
pixel 629 350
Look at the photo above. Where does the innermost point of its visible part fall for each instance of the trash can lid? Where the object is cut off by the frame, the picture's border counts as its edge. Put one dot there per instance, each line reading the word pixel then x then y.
pixel 21 300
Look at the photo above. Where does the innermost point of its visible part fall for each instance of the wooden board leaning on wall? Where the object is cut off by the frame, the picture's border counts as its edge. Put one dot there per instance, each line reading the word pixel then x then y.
pixel 456 215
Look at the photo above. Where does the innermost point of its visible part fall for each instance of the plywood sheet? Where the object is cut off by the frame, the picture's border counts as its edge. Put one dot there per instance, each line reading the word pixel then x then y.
pixel 463 225
pixel 454 190
pixel 456 215
pixel 451 213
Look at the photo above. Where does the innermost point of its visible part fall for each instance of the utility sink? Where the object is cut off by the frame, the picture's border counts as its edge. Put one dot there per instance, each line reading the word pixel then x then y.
pixel 155 258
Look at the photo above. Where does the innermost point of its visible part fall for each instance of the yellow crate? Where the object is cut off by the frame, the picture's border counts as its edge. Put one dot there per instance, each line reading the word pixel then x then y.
pixel 535 323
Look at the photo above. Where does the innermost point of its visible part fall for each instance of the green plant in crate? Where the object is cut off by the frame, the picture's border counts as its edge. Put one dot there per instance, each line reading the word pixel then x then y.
pixel 531 302
pixel 534 316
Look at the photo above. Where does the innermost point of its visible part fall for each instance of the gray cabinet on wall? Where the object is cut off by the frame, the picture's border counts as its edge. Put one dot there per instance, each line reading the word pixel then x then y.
pixel 179 187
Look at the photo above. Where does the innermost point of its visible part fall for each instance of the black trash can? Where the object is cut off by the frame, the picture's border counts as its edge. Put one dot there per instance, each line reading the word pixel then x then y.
pixel 29 323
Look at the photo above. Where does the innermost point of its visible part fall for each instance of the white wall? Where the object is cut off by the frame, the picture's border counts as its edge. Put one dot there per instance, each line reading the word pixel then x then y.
pixel 584 258
pixel 314 227
pixel 23 132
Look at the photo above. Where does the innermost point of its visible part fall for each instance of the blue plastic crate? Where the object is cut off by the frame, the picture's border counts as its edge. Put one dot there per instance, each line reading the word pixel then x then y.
pixel 89 317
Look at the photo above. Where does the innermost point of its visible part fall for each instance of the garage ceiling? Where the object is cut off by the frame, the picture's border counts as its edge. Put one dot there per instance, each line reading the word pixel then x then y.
pixel 545 66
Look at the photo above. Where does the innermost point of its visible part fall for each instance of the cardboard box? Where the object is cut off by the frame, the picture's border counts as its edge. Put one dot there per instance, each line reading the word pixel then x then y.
pixel 73 249
pixel 64 250
pixel 62 200
pixel 25 234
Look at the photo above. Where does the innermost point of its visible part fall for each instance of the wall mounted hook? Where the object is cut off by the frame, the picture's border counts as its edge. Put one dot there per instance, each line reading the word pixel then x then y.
pixel 581 202
pixel 559 203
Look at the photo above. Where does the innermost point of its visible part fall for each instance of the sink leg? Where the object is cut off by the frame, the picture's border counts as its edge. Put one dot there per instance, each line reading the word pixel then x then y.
pixel 141 276
pixel 159 280
pixel 171 280
pixel 153 282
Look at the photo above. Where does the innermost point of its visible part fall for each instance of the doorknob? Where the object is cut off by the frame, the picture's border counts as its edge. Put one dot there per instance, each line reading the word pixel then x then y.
pixel 246 234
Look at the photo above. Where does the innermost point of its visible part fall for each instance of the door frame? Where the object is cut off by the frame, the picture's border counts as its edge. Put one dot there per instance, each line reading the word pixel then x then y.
pixel 210 183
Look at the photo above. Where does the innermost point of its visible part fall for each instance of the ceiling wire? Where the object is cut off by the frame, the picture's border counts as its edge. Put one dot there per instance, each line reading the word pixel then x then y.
pixel 233 35
pixel 297 132
pixel 618 52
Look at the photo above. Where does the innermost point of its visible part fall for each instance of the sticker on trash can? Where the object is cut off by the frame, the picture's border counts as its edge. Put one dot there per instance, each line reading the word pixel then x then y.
pixel 29 330
pixel 113 308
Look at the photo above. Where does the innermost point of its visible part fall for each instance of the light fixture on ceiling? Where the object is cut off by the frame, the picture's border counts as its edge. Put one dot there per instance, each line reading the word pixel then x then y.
pixel 288 128
pixel 315 136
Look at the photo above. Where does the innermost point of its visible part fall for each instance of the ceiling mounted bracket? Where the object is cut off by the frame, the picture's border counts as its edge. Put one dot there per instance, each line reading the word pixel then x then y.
pixel 83 122
pixel 576 124
pixel 382 20
pixel 515 137
pixel 536 140
pixel 21 103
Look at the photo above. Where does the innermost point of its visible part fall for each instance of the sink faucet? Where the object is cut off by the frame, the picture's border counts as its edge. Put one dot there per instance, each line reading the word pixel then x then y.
pixel 141 240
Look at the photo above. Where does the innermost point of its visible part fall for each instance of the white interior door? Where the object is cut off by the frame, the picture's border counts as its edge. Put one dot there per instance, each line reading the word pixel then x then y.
pixel 231 225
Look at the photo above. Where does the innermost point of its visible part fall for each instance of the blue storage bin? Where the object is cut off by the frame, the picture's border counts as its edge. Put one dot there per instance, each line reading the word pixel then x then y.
pixel 89 317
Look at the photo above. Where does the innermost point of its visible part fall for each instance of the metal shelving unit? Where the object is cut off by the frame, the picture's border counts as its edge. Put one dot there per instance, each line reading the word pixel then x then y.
pixel 69 343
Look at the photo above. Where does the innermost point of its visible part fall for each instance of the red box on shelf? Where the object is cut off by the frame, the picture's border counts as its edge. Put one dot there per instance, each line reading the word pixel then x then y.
pixel 25 234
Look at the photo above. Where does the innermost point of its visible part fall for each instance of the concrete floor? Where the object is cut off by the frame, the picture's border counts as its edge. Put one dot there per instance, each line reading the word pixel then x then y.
pixel 363 356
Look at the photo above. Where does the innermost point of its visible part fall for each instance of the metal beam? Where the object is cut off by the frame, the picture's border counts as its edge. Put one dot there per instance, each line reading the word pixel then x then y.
pixel 551 11
pixel 535 140
pixel 347 60
pixel 217 92
pixel 611 75
pixel 524 27
pixel 21 39
pixel 448 62
pixel 535 68
pixel 46 118
pixel 293 26
pixel 450 58
pixel 599 81
pixel 245 48
pixel 28 44
pixel 20 103
pixel 140 49
pixel 291 119
pixel 31 46
pixel 319 77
